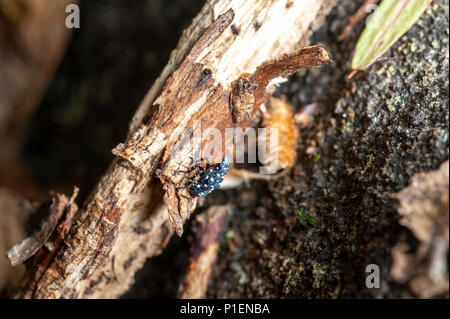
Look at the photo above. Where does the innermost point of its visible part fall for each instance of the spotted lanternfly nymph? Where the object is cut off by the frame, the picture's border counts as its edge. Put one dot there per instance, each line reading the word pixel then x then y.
pixel 210 178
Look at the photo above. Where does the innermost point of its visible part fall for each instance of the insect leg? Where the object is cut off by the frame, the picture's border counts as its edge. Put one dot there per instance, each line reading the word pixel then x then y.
pixel 207 163
pixel 189 182
pixel 190 169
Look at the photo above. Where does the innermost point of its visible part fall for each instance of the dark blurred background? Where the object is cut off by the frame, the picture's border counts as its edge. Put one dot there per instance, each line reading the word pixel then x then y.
pixel 110 63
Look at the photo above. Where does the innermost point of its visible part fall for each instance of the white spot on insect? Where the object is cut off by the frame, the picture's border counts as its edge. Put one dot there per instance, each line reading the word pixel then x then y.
pixel 207 182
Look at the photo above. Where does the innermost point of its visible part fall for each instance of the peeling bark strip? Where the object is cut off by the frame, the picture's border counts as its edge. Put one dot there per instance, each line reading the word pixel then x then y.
pixel 45 243
pixel 61 212
pixel 103 250
pixel 204 250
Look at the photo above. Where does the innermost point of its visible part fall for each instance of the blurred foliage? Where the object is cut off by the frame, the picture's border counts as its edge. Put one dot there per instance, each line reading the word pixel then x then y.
pixel 391 20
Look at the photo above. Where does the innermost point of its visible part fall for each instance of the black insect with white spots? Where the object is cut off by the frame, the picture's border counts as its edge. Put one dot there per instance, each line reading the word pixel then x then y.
pixel 210 178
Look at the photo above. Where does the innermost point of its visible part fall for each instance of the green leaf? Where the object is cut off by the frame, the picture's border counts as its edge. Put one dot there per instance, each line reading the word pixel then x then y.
pixel 305 219
pixel 229 234
pixel 391 20
pixel 316 157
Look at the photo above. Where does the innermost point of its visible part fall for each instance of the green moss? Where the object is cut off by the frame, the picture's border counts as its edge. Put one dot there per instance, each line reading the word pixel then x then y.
pixel 229 234
pixel 306 219
pixel 347 126
pixel 316 157
pixel 318 276
pixel 392 103
pixel 358 221
pixel 435 44
pixel 369 161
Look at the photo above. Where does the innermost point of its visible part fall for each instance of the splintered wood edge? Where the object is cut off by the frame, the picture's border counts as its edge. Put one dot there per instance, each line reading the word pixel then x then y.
pixel 204 251
pixel 247 93
pixel 266 30
pixel 29 246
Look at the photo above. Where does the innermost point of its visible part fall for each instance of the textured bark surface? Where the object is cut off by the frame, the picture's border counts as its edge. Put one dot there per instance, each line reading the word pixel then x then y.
pixel 124 220
pixel 210 227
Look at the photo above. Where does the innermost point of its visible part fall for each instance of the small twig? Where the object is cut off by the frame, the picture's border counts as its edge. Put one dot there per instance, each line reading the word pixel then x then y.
pixel 204 250
pixel 354 19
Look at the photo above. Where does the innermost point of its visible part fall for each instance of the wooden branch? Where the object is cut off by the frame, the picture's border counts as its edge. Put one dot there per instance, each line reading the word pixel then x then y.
pixel 204 249
pixel 124 220
pixel 354 19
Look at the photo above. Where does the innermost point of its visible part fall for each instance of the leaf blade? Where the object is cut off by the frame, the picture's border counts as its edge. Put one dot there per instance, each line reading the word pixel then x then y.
pixel 391 20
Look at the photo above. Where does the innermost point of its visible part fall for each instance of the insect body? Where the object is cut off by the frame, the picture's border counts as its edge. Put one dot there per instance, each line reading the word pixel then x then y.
pixel 209 180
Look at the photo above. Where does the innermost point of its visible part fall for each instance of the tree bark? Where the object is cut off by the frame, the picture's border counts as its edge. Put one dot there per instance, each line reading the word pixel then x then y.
pixel 204 250
pixel 125 221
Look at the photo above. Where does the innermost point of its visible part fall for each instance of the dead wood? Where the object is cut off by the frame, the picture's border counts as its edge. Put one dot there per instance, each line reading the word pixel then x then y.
pixel 423 207
pixel 205 247
pixel 125 220
pixel 358 16
pixel 61 212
